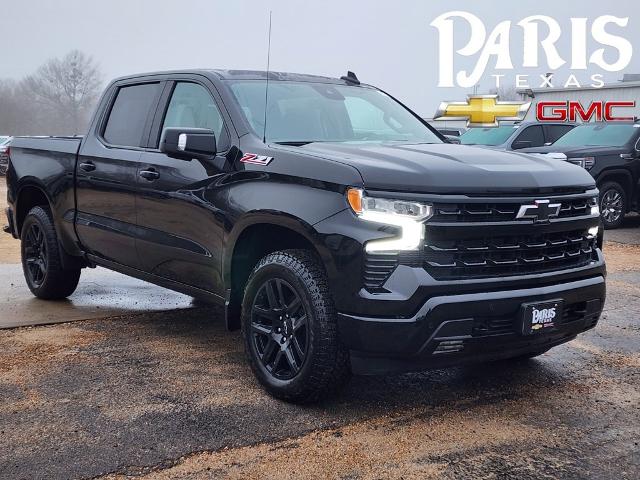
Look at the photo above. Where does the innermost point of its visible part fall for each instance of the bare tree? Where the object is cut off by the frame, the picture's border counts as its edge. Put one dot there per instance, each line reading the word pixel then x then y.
pixel 66 90
pixel 13 114
pixel 507 93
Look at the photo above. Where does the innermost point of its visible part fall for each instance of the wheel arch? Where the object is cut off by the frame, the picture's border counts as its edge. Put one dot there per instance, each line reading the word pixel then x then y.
pixel 30 194
pixel 622 177
pixel 255 236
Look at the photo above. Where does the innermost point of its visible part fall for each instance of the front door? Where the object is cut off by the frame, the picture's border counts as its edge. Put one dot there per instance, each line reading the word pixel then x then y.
pixel 181 230
pixel 107 173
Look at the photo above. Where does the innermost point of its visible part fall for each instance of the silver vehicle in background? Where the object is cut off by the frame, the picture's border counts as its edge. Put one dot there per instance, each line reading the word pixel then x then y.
pixel 4 154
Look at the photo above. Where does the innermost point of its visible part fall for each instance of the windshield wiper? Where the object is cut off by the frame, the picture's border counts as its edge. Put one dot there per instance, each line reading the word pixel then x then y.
pixel 296 143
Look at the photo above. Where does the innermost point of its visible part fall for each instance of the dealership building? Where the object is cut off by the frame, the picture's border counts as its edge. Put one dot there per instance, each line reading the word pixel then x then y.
pixel 626 90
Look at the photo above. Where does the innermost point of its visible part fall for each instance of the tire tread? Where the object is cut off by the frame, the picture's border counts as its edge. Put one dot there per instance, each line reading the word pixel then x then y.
pixel 59 283
pixel 331 366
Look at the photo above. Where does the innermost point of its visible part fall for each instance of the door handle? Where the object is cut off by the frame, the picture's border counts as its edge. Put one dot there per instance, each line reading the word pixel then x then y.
pixel 150 174
pixel 88 166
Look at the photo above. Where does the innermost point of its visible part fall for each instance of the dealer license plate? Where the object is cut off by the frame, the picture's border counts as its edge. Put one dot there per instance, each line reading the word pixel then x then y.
pixel 541 317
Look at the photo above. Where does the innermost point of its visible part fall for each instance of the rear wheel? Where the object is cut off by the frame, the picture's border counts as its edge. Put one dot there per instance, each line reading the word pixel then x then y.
pixel 289 328
pixel 613 204
pixel 41 262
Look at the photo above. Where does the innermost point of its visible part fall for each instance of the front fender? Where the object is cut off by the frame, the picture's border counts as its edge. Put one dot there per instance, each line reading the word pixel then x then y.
pixel 283 203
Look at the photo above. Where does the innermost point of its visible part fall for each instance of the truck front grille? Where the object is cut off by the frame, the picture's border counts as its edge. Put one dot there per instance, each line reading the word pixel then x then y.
pixel 496 256
pixel 482 238
pixel 501 212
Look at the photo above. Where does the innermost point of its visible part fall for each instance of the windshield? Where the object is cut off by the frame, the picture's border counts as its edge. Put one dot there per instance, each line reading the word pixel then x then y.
pixel 4 140
pixel 301 112
pixel 486 136
pixel 598 134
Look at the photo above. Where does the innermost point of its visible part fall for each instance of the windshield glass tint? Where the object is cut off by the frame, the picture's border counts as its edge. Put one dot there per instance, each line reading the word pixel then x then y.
pixel 486 136
pixel 597 134
pixel 4 140
pixel 320 112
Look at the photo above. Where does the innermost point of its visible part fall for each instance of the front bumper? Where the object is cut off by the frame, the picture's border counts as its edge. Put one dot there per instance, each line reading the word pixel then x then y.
pixel 456 329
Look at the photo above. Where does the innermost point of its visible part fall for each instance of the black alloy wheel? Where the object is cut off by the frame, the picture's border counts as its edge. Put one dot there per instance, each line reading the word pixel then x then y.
pixel 612 204
pixel 41 253
pixel 289 328
pixel 279 329
pixel 35 254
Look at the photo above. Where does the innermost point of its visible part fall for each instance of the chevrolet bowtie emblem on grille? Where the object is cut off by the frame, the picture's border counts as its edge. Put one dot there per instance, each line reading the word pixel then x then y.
pixel 482 111
pixel 540 211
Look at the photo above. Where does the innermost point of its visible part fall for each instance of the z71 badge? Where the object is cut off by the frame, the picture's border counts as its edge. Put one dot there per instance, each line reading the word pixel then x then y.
pixel 256 159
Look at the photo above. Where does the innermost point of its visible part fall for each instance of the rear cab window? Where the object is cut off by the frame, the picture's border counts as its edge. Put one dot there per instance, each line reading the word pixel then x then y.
pixel 130 113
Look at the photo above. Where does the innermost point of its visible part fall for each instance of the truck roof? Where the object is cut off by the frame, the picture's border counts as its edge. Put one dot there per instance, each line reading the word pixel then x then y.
pixel 243 75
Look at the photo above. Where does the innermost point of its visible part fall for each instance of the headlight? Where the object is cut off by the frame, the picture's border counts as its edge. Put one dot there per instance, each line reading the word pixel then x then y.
pixel 595 208
pixel 585 162
pixel 400 213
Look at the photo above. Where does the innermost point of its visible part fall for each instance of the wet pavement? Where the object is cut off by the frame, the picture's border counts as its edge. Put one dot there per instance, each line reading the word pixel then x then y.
pixel 100 294
pixel 168 395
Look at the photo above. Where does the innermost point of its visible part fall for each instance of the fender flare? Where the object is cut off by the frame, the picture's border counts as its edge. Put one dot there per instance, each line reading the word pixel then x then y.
pixel 605 174
pixel 278 219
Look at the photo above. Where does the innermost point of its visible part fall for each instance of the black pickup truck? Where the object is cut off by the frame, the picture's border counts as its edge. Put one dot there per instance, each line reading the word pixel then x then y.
pixel 610 152
pixel 340 231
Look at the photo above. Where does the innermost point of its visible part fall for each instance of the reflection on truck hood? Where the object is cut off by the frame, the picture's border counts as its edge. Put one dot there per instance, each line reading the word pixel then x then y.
pixel 572 151
pixel 446 168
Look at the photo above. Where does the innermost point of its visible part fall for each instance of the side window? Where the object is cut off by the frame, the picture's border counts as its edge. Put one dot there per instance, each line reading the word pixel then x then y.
pixel 192 106
pixel 554 132
pixel 531 137
pixel 129 113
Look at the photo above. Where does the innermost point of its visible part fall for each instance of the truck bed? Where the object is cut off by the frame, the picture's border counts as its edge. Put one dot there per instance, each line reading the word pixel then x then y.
pixel 46 163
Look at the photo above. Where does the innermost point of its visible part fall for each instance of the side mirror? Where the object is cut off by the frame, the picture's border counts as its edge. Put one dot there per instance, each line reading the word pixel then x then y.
pixel 517 145
pixel 188 143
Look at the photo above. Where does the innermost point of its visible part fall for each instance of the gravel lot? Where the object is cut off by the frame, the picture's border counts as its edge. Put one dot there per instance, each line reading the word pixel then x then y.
pixel 168 395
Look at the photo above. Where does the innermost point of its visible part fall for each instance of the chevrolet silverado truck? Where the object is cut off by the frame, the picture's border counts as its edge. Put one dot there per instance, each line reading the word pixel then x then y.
pixel 342 234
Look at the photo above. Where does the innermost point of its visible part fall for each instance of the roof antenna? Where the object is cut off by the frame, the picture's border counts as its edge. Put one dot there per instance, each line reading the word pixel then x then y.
pixel 266 90
pixel 351 78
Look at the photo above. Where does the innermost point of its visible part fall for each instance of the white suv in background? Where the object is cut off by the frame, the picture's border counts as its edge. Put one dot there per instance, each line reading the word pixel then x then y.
pixel 4 157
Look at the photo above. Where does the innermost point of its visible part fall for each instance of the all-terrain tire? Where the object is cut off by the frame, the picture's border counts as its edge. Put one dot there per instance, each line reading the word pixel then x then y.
pixel 325 367
pixel 612 197
pixel 40 251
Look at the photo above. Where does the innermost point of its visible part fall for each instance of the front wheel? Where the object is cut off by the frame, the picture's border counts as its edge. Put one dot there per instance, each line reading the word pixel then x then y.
pixel 41 262
pixel 613 204
pixel 289 328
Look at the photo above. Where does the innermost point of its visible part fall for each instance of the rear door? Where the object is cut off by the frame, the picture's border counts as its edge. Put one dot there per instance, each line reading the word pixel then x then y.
pixel 180 227
pixel 107 173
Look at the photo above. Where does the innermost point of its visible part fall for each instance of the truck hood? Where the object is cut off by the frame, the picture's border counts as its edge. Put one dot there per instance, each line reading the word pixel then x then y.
pixel 572 152
pixel 446 168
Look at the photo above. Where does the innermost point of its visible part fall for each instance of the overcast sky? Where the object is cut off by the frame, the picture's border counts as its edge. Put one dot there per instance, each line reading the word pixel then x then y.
pixel 387 43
